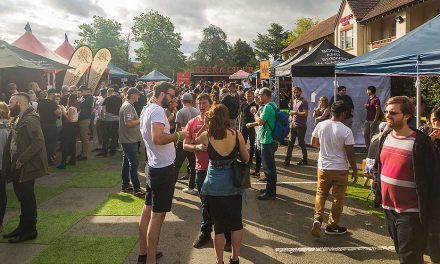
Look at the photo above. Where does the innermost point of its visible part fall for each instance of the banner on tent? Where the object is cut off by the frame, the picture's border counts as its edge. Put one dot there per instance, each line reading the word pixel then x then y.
pixel 264 69
pixel 315 87
pixel 80 62
pixel 99 64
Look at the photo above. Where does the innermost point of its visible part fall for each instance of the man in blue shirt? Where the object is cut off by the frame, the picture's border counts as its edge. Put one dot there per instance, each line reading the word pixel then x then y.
pixel 86 106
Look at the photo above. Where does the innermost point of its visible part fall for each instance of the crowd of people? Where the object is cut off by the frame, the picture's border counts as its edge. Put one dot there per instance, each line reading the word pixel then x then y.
pixel 209 125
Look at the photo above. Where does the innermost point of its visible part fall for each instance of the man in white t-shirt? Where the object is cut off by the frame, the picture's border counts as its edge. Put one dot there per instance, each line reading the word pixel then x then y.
pixel 161 174
pixel 336 145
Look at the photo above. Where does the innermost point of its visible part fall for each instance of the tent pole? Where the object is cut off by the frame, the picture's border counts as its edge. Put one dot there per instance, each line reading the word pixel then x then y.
pixel 418 97
pixel 335 88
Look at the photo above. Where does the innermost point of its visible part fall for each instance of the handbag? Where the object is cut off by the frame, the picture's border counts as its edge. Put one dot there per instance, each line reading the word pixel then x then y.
pixel 241 170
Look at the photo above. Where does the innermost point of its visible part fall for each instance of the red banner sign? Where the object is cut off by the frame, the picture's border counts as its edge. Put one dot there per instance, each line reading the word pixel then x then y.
pixel 222 70
pixel 184 77
pixel 345 20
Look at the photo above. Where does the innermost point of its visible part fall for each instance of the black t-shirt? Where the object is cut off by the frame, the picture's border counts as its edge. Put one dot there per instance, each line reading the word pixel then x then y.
pixel 112 104
pixel 139 105
pixel 86 106
pixel 246 115
pixel 46 110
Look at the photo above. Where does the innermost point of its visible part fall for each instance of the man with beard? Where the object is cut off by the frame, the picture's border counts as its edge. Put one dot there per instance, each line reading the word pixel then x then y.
pixel 298 126
pixel 407 182
pixel 129 137
pixel 160 171
pixel 24 160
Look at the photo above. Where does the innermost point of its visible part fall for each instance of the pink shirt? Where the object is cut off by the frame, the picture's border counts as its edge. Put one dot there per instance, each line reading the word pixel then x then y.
pixel 397 175
pixel 193 126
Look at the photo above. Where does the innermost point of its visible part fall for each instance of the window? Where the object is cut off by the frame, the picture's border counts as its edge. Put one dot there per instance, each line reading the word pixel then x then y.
pixel 393 28
pixel 347 39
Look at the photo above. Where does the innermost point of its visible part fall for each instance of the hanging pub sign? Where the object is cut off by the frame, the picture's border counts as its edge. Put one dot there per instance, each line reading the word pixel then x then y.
pixel 345 20
pixel 264 69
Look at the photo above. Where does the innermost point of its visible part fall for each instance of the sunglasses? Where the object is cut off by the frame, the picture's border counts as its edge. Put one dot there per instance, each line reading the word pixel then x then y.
pixel 392 113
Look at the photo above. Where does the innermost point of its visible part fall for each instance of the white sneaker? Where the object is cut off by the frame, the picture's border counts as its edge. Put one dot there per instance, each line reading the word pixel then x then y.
pixel 190 191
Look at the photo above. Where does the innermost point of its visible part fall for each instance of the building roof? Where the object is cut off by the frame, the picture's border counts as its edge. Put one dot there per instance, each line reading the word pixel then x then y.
pixel 361 8
pixel 321 30
pixel 385 7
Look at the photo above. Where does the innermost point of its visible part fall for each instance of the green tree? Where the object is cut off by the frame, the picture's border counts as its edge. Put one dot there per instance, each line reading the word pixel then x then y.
pixel 270 44
pixel 105 33
pixel 243 54
pixel 430 90
pixel 302 25
pixel 160 43
pixel 213 50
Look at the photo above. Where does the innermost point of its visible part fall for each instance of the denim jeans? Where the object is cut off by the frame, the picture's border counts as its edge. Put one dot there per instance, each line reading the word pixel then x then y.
pixel 110 132
pixel 300 133
pixel 249 133
pixel 130 163
pixel 408 234
pixel 206 224
pixel 181 155
pixel 268 159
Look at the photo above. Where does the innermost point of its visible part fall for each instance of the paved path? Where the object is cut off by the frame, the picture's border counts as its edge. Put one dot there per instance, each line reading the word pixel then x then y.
pixel 276 231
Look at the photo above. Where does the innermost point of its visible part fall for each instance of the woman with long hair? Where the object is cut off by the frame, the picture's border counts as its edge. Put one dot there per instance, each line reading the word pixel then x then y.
pixel 224 200
pixel 322 111
pixel 4 133
pixel 69 132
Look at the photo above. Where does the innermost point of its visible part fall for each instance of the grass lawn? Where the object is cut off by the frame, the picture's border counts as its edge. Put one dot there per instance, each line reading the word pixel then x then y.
pixel 94 179
pixel 359 194
pixel 50 225
pixel 42 194
pixel 120 204
pixel 87 249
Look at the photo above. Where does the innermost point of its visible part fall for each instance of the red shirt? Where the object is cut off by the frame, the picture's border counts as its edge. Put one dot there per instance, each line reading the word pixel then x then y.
pixel 371 108
pixel 397 175
pixel 193 126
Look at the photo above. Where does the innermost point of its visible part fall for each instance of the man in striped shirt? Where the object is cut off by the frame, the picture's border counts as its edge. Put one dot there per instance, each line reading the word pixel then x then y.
pixel 407 182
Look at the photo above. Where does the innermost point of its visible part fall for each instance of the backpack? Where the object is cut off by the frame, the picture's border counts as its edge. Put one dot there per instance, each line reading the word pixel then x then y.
pixel 281 129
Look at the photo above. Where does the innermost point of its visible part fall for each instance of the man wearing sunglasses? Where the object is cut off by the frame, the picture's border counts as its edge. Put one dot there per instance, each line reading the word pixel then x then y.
pixel 407 182
pixel 160 170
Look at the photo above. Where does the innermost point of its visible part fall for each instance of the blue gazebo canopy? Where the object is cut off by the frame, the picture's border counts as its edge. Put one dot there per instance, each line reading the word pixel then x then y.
pixel 400 57
pixel 117 73
pixel 154 76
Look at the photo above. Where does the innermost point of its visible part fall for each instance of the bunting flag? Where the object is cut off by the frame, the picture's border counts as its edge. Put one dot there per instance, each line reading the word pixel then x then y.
pixel 99 64
pixel 80 62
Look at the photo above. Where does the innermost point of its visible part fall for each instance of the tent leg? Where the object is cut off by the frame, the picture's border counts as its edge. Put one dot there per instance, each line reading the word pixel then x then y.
pixel 335 88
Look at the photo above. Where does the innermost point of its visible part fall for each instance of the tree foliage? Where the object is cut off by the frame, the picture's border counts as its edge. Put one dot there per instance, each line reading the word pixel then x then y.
pixel 302 25
pixel 160 43
pixel 105 33
pixel 243 54
pixel 430 89
pixel 214 49
pixel 271 43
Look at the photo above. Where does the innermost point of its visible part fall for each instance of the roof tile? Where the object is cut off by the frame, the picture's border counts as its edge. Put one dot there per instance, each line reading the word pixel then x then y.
pixel 318 31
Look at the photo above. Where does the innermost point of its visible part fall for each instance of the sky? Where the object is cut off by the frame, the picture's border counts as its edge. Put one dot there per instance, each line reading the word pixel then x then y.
pixel 50 19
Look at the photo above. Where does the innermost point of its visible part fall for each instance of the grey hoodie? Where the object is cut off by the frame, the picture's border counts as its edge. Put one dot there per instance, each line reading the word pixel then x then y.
pixel 4 133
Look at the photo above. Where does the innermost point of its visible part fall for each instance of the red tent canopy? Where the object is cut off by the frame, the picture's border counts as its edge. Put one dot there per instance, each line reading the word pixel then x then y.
pixel 30 43
pixel 65 50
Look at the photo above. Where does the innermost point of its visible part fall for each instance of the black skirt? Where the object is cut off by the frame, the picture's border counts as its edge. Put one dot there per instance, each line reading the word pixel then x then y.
pixel 225 213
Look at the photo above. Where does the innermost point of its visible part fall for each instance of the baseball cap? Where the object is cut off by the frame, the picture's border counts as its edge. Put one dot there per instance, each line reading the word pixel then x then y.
pixel 133 90
pixel 187 97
